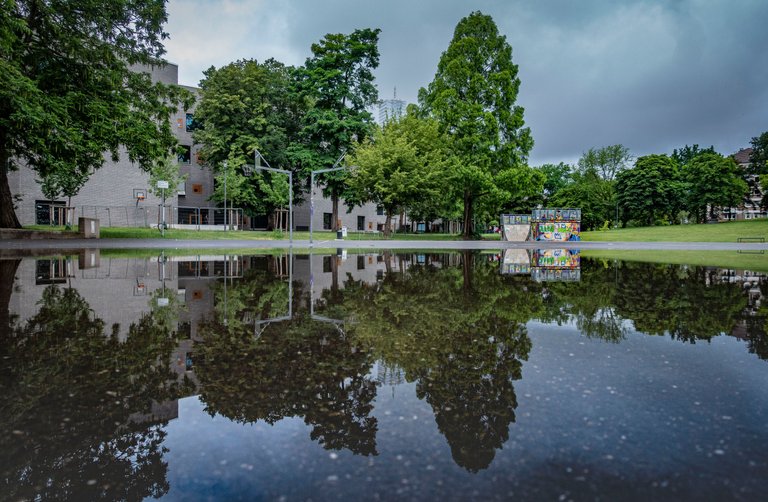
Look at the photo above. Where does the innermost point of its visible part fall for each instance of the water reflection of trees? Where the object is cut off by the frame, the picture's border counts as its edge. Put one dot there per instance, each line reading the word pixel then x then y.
pixel 688 303
pixel 297 368
pixel 74 397
pixel 459 333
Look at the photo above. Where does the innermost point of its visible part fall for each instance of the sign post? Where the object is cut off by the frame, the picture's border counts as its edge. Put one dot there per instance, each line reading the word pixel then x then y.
pixel 163 186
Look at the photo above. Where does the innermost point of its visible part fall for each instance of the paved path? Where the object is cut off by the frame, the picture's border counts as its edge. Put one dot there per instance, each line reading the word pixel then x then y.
pixel 52 244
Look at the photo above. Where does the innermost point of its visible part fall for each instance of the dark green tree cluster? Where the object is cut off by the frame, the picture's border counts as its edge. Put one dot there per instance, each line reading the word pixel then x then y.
pixel 691 184
pixel 659 189
pixel 70 92
pixel 467 132
pixel 299 119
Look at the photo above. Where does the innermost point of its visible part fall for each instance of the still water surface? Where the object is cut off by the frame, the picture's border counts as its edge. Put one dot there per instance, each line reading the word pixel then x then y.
pixel 381 376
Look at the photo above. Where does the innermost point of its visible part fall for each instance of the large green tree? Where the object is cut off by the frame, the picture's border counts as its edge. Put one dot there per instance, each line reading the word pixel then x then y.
pixel 473 97
pixel 608 161
pixel 338 84
pixel 595 196
pixel 245 106
pixel 69 90
pixel 651 191
pixel 401 167
pixel 713 182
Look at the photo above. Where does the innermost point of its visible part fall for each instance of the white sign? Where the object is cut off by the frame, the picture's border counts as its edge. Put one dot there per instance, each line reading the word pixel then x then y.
pixel 163 302
pixel 162 184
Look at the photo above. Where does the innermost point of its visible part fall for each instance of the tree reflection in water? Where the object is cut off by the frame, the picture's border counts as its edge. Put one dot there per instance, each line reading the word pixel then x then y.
pixel 76 404
pixel 459 333
pixel 452 325
pixel 295 368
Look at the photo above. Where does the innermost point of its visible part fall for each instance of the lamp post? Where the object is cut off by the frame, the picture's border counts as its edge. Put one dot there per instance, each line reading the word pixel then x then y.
pixel 312 190
pixel 256 156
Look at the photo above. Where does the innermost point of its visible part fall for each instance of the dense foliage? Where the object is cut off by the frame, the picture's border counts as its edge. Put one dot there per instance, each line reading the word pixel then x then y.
pixel 473 98
pixel 71 89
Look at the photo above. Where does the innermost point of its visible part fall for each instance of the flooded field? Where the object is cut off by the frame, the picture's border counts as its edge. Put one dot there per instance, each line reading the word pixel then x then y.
pixel 455 376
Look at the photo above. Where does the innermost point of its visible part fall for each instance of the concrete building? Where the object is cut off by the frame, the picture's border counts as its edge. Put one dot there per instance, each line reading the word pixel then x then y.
pixel 391 108
pixel 751 208
pixel 117 193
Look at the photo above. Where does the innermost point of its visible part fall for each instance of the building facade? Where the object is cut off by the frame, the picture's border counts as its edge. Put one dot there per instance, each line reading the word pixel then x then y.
pixel 118 193
pixel 751 208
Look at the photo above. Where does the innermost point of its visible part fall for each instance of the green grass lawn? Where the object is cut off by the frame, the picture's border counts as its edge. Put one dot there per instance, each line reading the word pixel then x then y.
pixel 720 232
pixel 323 235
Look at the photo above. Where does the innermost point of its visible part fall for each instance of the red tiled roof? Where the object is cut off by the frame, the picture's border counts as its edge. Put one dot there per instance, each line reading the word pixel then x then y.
pixel 742 156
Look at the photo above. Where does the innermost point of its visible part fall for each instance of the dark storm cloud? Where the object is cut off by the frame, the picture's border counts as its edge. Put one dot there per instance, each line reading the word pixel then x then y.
pixel 651 75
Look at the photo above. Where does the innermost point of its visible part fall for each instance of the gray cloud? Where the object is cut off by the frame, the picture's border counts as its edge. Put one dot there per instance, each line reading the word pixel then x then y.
pixel 653 75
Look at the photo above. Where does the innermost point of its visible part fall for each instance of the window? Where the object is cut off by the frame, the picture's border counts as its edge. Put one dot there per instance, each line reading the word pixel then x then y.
pixel 360 262
pixel 380 210
pixel 49 212
pixel 185 154
pixel 197 188
pixel 50 272
pixel 361 223
pixel 327 218
pixel 327 264
pixel 191 123
pixel 181 188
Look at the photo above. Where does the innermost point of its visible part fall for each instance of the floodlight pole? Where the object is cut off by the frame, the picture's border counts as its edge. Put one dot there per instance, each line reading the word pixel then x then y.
pixel 225 197
pixel 312 190
pixel 257 155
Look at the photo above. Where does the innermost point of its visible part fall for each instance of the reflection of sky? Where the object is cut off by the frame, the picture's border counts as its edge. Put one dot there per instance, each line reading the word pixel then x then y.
pixel 648 417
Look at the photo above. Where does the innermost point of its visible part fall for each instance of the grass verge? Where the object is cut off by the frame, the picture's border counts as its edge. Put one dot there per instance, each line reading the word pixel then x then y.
pixel 720 232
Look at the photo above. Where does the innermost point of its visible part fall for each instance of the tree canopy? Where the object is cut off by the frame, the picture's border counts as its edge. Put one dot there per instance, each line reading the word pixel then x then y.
pixel 401 167
pixel 473 98
pixel 245 106
pixel 650 191
pixel 72 88
pixel 338 83
pixel 607 161
pixel 713 182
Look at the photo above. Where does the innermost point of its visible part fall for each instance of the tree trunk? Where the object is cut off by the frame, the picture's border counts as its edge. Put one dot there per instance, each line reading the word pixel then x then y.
pixel 7 280
pixel 8 217
pixel 467 266
pixel 469 227
pixel 388 224
pixel 335 213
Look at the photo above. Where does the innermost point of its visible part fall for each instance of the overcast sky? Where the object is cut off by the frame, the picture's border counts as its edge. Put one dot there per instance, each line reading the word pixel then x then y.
pixel 652 75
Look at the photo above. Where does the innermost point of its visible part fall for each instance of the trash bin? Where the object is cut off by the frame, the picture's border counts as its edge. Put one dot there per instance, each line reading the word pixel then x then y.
pixel 339 235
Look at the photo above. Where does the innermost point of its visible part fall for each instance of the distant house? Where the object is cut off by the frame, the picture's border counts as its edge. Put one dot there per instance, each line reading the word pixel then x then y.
pixel 751 208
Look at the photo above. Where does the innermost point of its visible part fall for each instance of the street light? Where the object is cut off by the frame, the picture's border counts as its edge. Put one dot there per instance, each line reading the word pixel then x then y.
pixel 256 156
pixel 312 189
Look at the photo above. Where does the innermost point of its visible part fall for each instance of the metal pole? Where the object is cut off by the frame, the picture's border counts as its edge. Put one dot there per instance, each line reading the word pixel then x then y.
pixel 311 205
pixel 225 196
pixel 290 209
